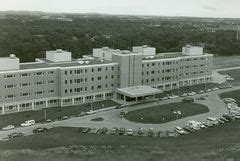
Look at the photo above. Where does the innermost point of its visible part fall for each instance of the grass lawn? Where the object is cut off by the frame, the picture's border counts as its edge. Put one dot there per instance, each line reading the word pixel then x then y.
pixel 52 113
pixel 234 74
pixel 187 89
pixel 217 143
pixel 233 94
pixel 164 113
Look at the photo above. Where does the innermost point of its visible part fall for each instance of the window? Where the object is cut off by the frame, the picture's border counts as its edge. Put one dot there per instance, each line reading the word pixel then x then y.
pixel 99 78
pixel 38 73
pixel 92 79
pixel 99 87
pixel 65 72
pixel 10 76
pixel 71 72
pixel 50 72
pixel 71 81
pixel 112 68
pixel 50 81
pixel 24 74
pixel 39 92
pixel 50 91
pixel 65 91
pixel 92 69
pixel 25 84
pixel 65 81
pixel 10 86
pixel 25 94
pixel 92 88
pixel 99 69
pixel 112 76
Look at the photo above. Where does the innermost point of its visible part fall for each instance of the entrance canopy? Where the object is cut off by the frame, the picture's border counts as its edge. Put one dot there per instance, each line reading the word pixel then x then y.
pixel 138 91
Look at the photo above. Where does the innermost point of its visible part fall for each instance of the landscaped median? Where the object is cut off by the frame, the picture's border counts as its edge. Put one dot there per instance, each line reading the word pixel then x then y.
pixel 165 113
pixel 52 113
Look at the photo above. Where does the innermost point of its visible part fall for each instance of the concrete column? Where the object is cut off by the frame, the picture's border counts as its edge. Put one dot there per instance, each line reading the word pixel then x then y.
pixel 73 101
pixel 124 98
pixel 83 99
pixel 94 97
pixel 18 107
pixel 3 110
pixel 61 102
pixel 136 99
pixel 32 105
pixel 46 103
pixel 104 97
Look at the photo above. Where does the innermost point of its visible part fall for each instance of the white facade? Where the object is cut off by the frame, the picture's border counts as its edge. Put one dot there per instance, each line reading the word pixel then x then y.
pixel 58 55
pixel 145 50
pixel 9 63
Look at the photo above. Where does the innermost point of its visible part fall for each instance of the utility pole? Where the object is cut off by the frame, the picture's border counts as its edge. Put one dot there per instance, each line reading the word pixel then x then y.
pixel 237 32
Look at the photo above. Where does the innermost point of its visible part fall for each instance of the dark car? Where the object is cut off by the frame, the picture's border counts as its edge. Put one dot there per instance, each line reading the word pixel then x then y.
pixel 140 131
pixel 65 117
pixel 114 130
pixel 82 114
pixel 15 134
pixel 121 131
pixel 188 99
pixel 103 130
pixel 40 129
pixel 150 132
pixel 187 128
pixel 48 121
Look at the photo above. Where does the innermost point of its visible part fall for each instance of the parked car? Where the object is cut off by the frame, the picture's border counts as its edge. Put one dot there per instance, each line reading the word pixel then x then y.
pixel 170 134
pixel 86 130
pixel 120 106
pixel 90 112
pixel 15 134
pixel 213 120
pixel 114 130
pixel 65 117
pixel 48 121
pixel 140 131
pixel 188 99
pixel 200 92
pixel 229 117
pixel 40 129
pixel 208 124
pixel 184 95
pixel 150 132
pixel 223 119
pixel 187 128
pixel 194 124
pixel 121 131
pixel 180 130
pixel 82 114
pixel 163 98
pixel 103 130
pixel 208 90
pixel 9 127
pixel 130 132
pixel 28 123
pixel 215 88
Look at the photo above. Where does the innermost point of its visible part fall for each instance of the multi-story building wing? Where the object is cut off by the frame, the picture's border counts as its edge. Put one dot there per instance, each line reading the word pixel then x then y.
pixel 59 80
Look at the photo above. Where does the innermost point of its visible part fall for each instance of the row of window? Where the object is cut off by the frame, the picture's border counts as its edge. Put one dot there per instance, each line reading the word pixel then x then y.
pixel 85 71
pixel 28 74
pixel 29 94
pixel 80 80
pixel 81 89
pixel 90 97
pixel 28 84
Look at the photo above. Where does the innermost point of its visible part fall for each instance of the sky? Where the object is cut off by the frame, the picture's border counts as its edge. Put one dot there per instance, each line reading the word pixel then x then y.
pixel 193 8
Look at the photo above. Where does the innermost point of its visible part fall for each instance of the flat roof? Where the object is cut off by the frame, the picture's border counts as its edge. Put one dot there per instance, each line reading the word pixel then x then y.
pixel 75 62
pixel 138 91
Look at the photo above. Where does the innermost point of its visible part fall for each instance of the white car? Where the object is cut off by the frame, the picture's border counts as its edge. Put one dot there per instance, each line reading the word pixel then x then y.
pixel 180 130
pixel 90 112
pixel 28 123
pixel 130 132
pixel 184 95
pixel 9 127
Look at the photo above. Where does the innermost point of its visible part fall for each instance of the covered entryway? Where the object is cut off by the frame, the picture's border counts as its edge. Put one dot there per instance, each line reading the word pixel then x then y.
pixel 136 93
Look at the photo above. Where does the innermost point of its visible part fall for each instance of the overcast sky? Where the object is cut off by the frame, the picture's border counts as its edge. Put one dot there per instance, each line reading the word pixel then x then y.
pixel 200 8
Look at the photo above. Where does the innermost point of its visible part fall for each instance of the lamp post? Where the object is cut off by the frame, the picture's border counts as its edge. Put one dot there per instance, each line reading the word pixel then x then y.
pixel 45 114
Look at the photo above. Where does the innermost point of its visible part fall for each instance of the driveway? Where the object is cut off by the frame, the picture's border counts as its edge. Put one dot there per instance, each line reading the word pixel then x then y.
pixel 215 104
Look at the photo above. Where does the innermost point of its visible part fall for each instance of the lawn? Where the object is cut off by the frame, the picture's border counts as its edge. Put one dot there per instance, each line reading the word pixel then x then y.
pixel 233 94
pixel 165 113
pixel 234 74
pixel 52 113
pixel 217 143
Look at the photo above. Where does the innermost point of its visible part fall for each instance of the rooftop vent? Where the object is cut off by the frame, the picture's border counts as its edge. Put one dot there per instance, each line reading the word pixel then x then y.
pixel 12 56
pixel 105 48
pixel 87 62
pixel 59 50
pixel 144 46
pixel 81 62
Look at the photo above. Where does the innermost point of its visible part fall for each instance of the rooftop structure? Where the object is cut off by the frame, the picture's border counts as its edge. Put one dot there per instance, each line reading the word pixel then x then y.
pixel 58 55
pixel 145 50
pixel 9 63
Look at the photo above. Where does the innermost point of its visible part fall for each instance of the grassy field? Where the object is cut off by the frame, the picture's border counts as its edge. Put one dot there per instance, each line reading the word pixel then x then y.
pixel 52 113
pixel 225 61
pixel 164 113
pixel 234 74
pixel 218 143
